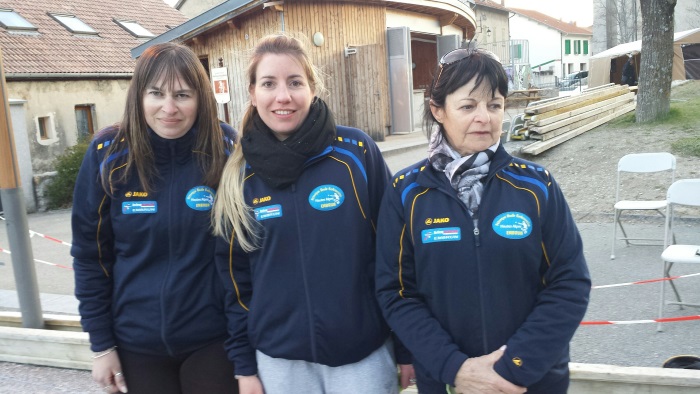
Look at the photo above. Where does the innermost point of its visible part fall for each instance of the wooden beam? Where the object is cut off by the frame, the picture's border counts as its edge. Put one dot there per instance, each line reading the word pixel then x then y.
pixel 569 101
pixel 555 129
pixel 555 108
pixel 447 20
pixel 541 146
pixel 232 25
pixel 540 120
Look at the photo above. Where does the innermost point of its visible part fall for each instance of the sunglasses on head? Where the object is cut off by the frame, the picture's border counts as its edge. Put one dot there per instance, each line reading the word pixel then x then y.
pixel 460 54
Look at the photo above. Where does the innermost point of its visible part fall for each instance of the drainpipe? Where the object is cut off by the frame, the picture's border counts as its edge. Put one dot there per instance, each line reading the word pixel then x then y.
pixel 16 218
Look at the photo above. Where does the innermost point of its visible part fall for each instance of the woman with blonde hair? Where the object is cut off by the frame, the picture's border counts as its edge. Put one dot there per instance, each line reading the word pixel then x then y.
pixel 297 212
pixel 150 297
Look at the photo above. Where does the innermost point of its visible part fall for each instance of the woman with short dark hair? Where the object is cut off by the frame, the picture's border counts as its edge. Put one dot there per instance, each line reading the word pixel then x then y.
pixel 480 266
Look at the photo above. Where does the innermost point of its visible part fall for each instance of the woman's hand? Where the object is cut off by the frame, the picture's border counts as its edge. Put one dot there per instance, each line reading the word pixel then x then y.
pixel 250 385
pixel 478 376
pixel 407 374
pixel 107 372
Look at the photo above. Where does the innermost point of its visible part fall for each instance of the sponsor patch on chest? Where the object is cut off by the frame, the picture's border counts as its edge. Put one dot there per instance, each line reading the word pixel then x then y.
pixel 326 197
pixel 268 212
pixel 512 225
pixel 445 234
pixel 139 207
pixel 200 198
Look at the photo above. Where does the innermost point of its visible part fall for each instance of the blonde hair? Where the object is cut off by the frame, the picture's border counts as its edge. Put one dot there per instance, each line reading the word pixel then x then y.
pixel 231 216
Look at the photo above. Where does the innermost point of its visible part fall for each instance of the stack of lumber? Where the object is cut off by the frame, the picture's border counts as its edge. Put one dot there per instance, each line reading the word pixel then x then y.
pixel 559 119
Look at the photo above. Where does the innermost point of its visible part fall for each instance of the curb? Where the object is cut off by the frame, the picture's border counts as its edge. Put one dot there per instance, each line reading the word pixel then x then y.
pixel 396 150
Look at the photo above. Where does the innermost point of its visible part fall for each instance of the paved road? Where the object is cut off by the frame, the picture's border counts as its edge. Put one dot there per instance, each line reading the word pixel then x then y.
pixel 622 344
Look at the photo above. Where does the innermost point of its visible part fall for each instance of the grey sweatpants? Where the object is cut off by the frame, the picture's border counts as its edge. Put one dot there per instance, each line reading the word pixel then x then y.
pixel 375 374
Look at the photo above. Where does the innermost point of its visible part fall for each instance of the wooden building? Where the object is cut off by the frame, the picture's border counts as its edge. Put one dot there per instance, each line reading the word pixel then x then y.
pixel 376 56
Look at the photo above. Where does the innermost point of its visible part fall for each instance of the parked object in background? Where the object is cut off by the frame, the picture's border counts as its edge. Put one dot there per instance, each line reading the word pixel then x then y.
pixel 573 80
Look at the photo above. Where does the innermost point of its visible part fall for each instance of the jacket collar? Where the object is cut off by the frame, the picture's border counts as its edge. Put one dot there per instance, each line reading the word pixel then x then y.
pixel 165 149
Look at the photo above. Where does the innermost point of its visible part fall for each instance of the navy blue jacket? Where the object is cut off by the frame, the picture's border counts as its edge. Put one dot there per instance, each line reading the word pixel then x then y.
pixel 452 291
pixel 144 261
pixel 308 292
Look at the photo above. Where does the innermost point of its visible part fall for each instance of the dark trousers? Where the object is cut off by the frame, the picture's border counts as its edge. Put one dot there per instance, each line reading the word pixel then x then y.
pixel 206 370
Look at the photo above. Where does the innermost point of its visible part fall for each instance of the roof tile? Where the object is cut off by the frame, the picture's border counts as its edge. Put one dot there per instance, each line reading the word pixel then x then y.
pixel 56 50
pixel 554 23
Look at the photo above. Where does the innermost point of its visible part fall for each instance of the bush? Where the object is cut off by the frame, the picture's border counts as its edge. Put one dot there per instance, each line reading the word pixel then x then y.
pixel 59 192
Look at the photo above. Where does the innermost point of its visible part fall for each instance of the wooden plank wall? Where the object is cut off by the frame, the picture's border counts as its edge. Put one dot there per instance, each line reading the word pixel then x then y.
pixel 358 87
pixel 358 90
pixel 231 44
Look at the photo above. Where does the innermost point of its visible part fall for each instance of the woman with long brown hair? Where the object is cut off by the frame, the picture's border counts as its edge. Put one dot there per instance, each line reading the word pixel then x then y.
pixel 150 297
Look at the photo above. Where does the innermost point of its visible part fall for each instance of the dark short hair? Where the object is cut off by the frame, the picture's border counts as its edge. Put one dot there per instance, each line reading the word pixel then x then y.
pixel 479 64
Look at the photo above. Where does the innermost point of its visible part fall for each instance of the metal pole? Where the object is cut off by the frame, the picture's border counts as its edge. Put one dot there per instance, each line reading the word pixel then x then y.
pixel 16 218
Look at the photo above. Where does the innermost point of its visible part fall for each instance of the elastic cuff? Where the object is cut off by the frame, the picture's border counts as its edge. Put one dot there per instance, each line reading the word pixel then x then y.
pixel 451 367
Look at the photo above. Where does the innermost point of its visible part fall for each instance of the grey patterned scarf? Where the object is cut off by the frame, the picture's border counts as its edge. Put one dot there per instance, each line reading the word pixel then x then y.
pixel 464 173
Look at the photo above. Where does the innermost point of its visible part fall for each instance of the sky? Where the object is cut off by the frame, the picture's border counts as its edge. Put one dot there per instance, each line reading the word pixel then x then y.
pixel 580 11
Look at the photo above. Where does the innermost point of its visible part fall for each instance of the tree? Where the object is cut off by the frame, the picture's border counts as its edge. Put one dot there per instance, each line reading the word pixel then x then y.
pixel 620 20
pixel 655 69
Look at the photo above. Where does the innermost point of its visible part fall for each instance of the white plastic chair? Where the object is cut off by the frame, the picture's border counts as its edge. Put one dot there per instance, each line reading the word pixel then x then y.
pixel 640 163
pixel 684 192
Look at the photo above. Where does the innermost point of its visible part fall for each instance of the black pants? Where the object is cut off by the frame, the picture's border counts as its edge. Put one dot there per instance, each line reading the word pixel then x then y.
pixel 206 370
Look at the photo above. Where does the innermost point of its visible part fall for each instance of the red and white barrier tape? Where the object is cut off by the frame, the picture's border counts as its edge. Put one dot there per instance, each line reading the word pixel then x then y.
pixel 643 282
pixel 41 261
pixel 33 233
pixel 662 320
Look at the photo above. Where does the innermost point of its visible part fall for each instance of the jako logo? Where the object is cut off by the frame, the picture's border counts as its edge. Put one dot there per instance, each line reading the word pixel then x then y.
pixel 136 194
pixel 261 200
pixel 430 221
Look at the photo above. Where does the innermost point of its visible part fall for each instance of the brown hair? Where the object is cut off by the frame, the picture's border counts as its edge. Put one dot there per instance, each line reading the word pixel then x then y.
pixel 169 62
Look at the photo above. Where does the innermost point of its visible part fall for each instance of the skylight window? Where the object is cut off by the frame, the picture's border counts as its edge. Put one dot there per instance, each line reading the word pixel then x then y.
pixel 73 24
pixel 134 28
pixel 11 20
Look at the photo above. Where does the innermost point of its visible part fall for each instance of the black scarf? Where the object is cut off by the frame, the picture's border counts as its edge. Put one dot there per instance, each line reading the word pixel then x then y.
pixel 280 163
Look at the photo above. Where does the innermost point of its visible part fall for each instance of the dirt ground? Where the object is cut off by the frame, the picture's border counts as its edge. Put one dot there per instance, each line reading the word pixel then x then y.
pixel 586 165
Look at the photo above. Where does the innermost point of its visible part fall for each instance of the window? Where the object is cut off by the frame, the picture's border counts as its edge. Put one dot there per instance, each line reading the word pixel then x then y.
pixel 43 122
pixel 134 28
pixel 84 120
pixel 577 47
pixel 73 24
pixel 45 129
pixel 11 20
pixel 517 51
pixel 585 47
pixel 567 47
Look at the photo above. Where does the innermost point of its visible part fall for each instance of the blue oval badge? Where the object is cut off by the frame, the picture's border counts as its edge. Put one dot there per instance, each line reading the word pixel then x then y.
pixel 326 197
pixel 512 225
pixel 200 198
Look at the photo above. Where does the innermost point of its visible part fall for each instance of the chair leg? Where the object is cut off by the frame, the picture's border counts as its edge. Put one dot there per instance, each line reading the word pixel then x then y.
pixel 622 228
pixel 614 235
pixel 661 298
pixel 673 285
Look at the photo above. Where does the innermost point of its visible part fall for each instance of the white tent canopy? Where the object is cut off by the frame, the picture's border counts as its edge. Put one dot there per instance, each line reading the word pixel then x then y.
pixel 606 67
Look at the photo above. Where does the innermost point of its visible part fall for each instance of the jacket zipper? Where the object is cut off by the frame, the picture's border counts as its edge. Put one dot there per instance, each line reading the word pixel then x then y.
pixel 170 252
pixel 312 337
